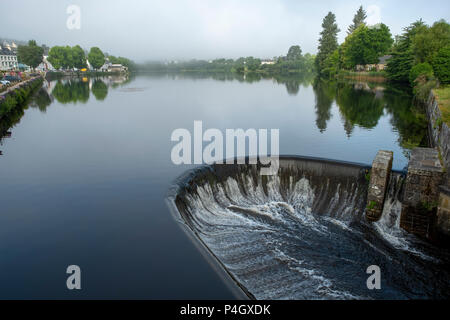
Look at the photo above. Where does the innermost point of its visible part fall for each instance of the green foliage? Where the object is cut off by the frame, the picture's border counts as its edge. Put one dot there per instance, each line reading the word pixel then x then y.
pixel 367 176
pixel 18 97
pixel 331 65
pixel 78 57
pixel 423 87
pixel 441 64
pixel 366 44
pixel 294 53
pixel 438 123
pixel 428 41
pixel 30 54
pixel 359 19
pixel 421 44
pixel 399 66
pixel 421 69
pixel 371 205
pixel 61 57
pixel 328 41
pixel 96 58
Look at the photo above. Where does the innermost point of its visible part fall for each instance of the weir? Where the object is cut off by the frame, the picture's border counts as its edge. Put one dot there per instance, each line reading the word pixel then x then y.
pixel 303 234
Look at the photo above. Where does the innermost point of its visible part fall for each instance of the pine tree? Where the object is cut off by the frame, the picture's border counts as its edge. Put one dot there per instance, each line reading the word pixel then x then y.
pixel 360 18
pixel 328 40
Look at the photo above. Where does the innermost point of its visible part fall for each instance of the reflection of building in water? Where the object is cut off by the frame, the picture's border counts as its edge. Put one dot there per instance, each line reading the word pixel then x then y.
pixel 378 90
pixel 115 79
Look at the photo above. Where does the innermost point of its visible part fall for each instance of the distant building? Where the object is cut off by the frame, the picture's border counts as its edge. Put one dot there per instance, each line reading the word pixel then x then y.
pixel 45 65
pixel 8 57
pixel 268 62
pixel 381 65
pixel 382 62
pixel 117 68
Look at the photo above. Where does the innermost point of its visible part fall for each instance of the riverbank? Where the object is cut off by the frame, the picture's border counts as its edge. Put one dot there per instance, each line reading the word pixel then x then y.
pixel 18 94
pixel 362 76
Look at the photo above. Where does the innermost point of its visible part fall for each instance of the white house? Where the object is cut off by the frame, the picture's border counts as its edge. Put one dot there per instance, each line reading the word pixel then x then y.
pixel 8 58
pixel 45 65
pixel 267 62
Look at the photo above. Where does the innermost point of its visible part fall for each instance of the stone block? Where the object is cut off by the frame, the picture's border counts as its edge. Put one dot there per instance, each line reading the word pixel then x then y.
pixel 379 180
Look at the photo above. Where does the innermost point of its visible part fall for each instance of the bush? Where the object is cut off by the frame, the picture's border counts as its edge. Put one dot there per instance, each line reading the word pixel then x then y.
pixel 421 69
pixel 423 87
pixel 441 65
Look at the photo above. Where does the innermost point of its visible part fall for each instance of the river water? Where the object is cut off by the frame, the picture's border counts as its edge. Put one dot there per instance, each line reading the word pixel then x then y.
pixel 85 171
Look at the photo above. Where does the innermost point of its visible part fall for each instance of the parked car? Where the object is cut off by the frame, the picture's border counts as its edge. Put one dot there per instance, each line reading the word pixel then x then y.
pixel 5 82
pixel 11 78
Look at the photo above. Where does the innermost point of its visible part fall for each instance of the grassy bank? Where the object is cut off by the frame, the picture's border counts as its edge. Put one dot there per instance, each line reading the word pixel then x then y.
pixel 442 95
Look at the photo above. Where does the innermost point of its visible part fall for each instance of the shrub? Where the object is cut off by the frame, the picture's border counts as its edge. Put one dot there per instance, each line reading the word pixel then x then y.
pixel 441 65
pixel 421 69
pixel 423 87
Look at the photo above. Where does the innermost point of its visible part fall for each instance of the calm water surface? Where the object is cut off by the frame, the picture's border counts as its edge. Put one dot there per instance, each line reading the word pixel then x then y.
pixel 85 169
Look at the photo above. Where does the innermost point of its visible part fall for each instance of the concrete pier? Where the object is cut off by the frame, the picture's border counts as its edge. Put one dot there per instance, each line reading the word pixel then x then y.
pixel 379 181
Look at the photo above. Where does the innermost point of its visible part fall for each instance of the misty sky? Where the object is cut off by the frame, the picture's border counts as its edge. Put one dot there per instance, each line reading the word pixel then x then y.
pixel 205 29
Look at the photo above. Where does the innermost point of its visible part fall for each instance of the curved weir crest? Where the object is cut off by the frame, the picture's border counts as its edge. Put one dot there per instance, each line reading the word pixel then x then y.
pixel 302 234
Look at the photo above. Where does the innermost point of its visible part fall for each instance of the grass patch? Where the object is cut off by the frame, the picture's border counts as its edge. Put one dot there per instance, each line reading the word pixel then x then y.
pixel 443 98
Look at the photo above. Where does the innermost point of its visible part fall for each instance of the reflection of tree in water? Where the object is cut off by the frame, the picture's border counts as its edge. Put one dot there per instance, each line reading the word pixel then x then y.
pixel 325 94
pixel 408 119
pixel 359 106
pixel 293 82
pixel 99 89
pixel 73 90
pixel 41 100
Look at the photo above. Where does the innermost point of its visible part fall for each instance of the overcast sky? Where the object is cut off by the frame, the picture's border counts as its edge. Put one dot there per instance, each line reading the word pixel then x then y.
pixel 205 29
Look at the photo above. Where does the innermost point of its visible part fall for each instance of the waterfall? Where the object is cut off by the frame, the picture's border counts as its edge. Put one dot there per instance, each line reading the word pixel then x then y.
pixel 300 234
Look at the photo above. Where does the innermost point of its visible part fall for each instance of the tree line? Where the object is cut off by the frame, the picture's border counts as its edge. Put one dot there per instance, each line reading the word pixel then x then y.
pixel 293 62
pixel 421 52
pixel 66 57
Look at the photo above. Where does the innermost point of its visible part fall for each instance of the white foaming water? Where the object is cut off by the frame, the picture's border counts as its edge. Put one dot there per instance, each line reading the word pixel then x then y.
pixel 267 235
pixel 389 228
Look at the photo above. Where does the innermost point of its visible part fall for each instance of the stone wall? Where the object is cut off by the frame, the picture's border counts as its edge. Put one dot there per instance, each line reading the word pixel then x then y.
pixel 443 212
pixel 439 133
pixel 421 192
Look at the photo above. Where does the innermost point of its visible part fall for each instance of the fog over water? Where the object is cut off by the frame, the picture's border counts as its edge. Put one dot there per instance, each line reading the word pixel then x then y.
pixel 159 30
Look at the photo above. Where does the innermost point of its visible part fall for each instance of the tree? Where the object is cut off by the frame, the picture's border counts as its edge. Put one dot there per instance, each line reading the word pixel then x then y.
pixel 359 19
pixel 31 54
pixel 441 65
pixel 328 40
pixel 78 57
pixel 399 66
pixel 421 69
pixel 96 58
pixel 294 53
pixel 56 57
pixel 366 44
pixel 61 57
pixel 428 41
pixel 331 64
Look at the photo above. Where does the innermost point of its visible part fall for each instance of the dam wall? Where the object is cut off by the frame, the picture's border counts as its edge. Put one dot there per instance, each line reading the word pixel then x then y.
pixel 302 234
